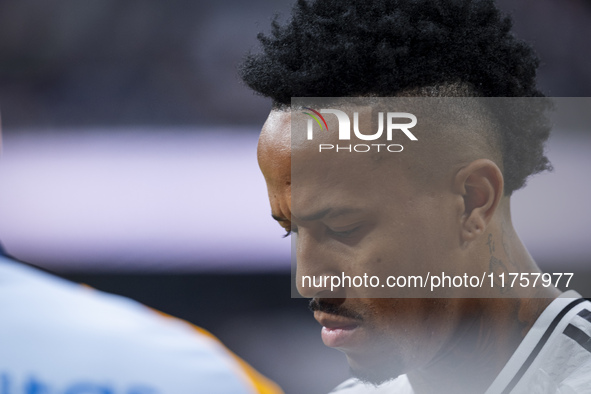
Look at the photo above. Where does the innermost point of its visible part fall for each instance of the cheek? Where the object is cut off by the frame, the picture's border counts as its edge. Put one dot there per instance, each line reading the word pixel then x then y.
pixel 395 248
pixel 430 231
pixel 406 245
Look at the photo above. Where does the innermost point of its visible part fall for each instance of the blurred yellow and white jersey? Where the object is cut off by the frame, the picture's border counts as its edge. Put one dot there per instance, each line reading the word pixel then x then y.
pixel 58 337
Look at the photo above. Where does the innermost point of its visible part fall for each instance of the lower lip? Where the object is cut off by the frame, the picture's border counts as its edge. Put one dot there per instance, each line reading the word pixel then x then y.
pixel 338 337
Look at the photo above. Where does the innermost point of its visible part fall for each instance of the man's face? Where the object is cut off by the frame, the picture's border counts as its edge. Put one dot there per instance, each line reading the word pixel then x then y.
pixel 357 214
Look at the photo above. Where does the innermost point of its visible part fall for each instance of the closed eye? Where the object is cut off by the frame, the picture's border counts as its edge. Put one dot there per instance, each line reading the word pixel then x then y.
pixel 285 223
pixel 292 229
pixel 345 233
pixel 288 232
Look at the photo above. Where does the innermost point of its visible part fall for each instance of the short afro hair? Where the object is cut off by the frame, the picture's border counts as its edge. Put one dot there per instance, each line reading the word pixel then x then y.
pixel 348 48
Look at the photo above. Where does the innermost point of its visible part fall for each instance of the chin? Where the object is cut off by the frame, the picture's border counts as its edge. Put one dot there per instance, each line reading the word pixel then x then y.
pixel 377 373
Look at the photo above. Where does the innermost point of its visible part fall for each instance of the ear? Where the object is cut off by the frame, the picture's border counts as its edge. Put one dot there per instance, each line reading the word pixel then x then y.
pixel 480 184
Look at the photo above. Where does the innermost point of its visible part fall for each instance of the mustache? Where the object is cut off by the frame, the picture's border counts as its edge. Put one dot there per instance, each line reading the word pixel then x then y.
pixel 333 309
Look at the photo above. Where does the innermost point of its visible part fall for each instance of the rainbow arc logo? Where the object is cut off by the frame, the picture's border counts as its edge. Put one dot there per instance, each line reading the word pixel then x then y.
pixel 316 117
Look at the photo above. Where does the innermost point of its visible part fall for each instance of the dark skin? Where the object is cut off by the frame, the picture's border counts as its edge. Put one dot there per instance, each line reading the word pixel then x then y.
pixel 460 220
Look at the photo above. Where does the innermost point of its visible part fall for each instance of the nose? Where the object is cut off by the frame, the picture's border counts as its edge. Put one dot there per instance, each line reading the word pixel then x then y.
pixel 317 274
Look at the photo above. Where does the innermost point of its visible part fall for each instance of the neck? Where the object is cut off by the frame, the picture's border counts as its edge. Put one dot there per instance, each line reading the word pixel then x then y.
pixel 490 329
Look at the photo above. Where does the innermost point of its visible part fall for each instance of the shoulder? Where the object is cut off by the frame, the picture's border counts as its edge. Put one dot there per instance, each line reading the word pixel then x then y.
pixel 400 385
pixel 66 331
pixel 555 355
pixel 68 312
pixel 565 361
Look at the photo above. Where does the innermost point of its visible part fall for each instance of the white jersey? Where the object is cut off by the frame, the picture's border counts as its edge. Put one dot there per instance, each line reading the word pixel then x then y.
pixel 400 385
pixel 553 358
pixel 58 337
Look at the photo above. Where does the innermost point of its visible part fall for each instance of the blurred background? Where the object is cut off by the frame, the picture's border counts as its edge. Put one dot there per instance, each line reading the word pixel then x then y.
pixel 129 164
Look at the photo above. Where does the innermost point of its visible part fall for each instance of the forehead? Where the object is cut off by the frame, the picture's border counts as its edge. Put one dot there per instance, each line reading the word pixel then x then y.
pixel 274 149
pixel 276 132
